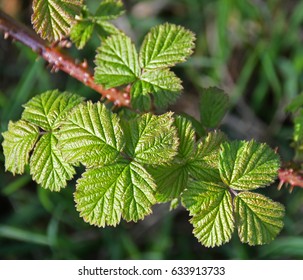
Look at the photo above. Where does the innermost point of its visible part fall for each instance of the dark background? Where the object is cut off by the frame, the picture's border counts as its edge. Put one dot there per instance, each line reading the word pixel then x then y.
pixel 250 48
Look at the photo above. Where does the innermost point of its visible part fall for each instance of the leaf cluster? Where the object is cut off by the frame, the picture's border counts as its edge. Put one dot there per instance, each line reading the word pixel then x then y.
pixel 132 164
pixel 148 72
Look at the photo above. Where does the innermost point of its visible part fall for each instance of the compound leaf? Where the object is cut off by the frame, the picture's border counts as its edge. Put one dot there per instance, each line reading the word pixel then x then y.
pixel 247 165
pixel 214 104
pixel 210 204
pixel 47 166
pixel 116 62
pixel 259 218
pixel 91 135
pixel 165 45
pixel 105 194
pixel 81 33
pixel 19 140
pixel 109 9
pixel 49 109
pixel 52 19
pixel 151 139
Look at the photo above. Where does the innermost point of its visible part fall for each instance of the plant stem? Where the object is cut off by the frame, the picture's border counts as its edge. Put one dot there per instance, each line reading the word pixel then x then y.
pixel 59 61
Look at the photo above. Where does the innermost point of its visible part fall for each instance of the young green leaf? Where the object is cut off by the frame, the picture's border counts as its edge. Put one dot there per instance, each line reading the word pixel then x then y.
pixel 140 98
pixel 198 127
pixel 166 45
pixel 52 19
pixel 49 109
pixel 99 195
pixel 19 140
pixel 139 189
pixel 164 85
pixel 210 204
pixel 203 165
pixel 116 62
pixel 186 136
pixel 259 218
pixel 109 9
pixel 105 194
pixel 214 104
pixel 91 135
pixel 105 29
pixel 247 165
pixel 47 165
pixel 81 33
pixel 151 139
pixel 172 179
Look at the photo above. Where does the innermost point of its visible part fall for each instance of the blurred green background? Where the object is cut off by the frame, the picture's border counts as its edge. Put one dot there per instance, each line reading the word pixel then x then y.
pixel 250 48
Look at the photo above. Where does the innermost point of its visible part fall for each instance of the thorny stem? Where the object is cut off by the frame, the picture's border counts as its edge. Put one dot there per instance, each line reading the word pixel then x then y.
pixel 59 61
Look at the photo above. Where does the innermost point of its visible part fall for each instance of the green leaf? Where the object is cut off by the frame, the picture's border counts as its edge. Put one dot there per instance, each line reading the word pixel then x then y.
pixel 164 85
pixel 214 104
pixel 116 62
pixel 49 109
pixel 109 9
pixel 140 98
pixel 204 163
pixel 52 19
pixel 247 165
pixel 99 195
pixel 139 193
pixel 198 127
pixel 171 180
pixel 259 218
pixel 105 29
pixel 210 204
pixel 47 165
pixel 186 136
pixel 19 140
pixel 91 135
pixel 105 194
pixel 151 139
pixel 81 32
pixel 165 45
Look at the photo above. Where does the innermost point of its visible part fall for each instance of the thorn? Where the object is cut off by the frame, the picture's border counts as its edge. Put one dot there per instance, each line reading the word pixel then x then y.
pixel 280 185
pixel 54 69
pixel 64 43
pixel 117 103
pixel 84 64
pixel 128 88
